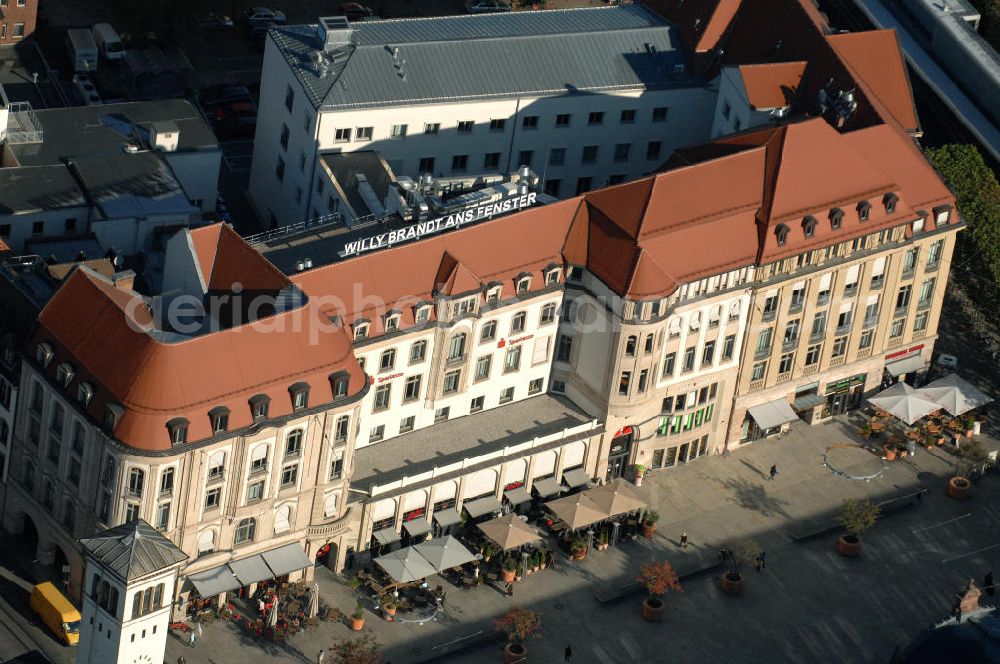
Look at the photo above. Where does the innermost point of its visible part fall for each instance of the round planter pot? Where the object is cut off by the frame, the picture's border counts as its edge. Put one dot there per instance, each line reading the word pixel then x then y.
pixel 959 488
pixel 357 624
pixel 652 609
pixel 514 652
pixel 849 545
pixel 648 529
pixel 638 480
pixel 890 453
pixel 580 555
pixel 508 577
pixel 389 613
pixel 732 584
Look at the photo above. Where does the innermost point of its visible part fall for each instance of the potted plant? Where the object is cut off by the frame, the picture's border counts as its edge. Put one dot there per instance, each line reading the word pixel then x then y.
pixel 578 548
pixel 865 430
pixel 365 650
pixel 649 520
pixel 741 553
pixel 389 606
pixel 856 516
pixel 602 541
pixel 930 441
pixel 543 558
pixel 519 625
pixel 971 454
pixel 536 561
pixel 489 551
pixel 358 618
pixel 659 578
pixel 640 471
pixel 970 425
pixel 508 570
pixel 891 448
pixel 354 583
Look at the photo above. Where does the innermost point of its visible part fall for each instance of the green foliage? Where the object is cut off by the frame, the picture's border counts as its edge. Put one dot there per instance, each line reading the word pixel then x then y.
pixel 977 194
pixel 359 611
pixel 973 455
pixel 989 25
pixel 659 578
pixel 650 517
pixel 365 650
pixel 858 516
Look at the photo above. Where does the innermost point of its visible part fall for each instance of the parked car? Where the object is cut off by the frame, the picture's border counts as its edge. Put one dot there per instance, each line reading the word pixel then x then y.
pixel 211 22
pixel 264 16
pixel 354 11
pixel 222 95
pixel 486 6
pixel 226 111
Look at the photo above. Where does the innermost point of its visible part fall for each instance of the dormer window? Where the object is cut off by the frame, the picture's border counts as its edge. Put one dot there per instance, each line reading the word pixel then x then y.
pixel 300 395
pixel 178 429
pixel 836 218
pixel 259 405
pixel 84 394
pixel 422 313
pixel 890 200
pixel 781 232
pixel 112 415
pixel 809 226
pixel 552 276
pixel 360 330
pixel 43 354
pixel 392 321
pixel 493 294
pixel 523 283
pixel 219 417
pixel 65 373
pixel 576 274
pixel 340 382
pixel 942 215
pixel 864 210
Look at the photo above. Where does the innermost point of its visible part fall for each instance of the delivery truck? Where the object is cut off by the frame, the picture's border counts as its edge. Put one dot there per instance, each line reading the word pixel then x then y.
pixel 82 50
pixel 56 612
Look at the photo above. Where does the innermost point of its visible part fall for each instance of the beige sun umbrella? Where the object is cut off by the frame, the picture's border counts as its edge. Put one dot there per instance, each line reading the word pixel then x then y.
pixel 617 497
pixel 509 532
pixel 577 511
pixel 312 608
pixel 272 616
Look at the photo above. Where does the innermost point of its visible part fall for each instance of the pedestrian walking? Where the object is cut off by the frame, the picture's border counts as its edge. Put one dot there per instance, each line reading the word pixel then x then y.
pixel 181 660
pixel 763 559
pixel 774 471
pixel 684 540
pixel 989 584
pixel 510 590
pixel 191 640
pixel 320 657
pixel 758 563
pixel 568 654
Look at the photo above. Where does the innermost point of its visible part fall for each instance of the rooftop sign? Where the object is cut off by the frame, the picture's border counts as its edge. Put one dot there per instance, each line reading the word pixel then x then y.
pixel 472 215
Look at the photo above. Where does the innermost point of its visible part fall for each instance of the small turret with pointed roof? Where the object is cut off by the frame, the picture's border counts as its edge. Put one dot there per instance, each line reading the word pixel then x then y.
pixel 133 550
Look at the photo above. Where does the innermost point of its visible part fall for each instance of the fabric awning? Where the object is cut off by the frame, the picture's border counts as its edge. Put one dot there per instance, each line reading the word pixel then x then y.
pixel 286 559
pixel 808 401
pixel 448 517
pixel 482 506
pixel 546 487
pixel 417 527
pixel 773 414
pixel 905 365
pixel 214 581
pixel 576 477
pixel 386 536
pixel 517 496
pixel 250 570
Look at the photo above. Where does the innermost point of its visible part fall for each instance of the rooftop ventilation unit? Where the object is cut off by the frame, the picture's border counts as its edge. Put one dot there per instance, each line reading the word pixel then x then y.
pixel 334 32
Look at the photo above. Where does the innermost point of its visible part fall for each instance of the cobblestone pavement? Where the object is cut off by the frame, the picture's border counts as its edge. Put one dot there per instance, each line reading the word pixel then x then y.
pixel 809 604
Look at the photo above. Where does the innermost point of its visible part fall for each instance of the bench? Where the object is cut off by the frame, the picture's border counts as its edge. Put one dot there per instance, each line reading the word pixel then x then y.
pixel 612 594
pixel 810 530
pixel 458 645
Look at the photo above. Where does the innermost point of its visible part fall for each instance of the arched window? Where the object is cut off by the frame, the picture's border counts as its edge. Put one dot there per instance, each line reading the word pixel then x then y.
pixel 136 477
pixel 890 200
pixel 137 604
pixel 283 520
pixel 674 327
pixel 456 346
pixel 836 218
pixel 715 316
pixel 864 210
pixel 695 321
pixel 630 345
pixel 781 232
pixel 216 464
pixel 809 226
pixel 246 530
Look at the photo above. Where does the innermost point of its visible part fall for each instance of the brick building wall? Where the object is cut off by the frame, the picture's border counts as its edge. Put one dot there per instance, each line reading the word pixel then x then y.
pixel 17 20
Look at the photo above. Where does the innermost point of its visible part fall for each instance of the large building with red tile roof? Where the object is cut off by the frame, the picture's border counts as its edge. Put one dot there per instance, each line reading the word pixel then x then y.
pixel 777 269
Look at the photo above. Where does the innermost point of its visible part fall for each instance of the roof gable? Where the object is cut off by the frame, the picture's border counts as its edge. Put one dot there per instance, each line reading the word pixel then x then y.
pixel 133 550
pixel 772 85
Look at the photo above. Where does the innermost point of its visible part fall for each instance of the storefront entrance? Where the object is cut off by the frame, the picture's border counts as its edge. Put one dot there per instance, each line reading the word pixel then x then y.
pixel 844 395
pixel 618 455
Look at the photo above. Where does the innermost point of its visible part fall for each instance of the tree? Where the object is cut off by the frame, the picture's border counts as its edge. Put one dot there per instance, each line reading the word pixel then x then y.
pixel 365 650
pixel 519 624
pixel 740 553
pixel 857 516
pixel 659 578
pixel 977 195
pixel 973 456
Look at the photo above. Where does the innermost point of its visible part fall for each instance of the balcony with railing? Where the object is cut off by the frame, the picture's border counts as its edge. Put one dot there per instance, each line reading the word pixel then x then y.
pixel 763 353
pixel 932 266
pixel 901 311
pixel 844 328
pixel 923 305
pixel 757 384
pixel 790 343
pixel 895 342
pixel 850 290
pixel 810 369
pixel 837 361
pixel 769 314
pixel 864 352
pixel 782 377
pixel 795 306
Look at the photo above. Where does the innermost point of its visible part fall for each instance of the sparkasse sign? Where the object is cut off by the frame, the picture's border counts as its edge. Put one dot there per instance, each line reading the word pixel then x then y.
pixel 433 226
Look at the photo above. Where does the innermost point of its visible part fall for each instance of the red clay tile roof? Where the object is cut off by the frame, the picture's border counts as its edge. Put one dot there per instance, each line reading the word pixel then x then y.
pixel 154 380
pixel 772 85
pixel 454 278
pixel 5 248
pixel 876 60
pixel 226 260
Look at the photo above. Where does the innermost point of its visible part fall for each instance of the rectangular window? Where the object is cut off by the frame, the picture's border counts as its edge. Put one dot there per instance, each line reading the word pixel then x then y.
pixel 622 151
pixel 728 347
pixel 934 253
pixel 818 325
pixel 529 122
pixel 279 170
pixel 643 380
pixel 507 395
pixel 559 387
pixel 342 135
pixel 406 424
pixel 535 386
pixel 759 369
pixel 255 491
pixel 524 157
pixel 284 136
pixel 564 348
pixel 512 361
pixel 451 381
pixel 708 353
pixel 589 154
pixel 498 124
pixel 517 322
pixel 459 162
pixel 660 114
pixel 920 322
pixel 557 156
pixel 653 149
pixel 785 363
pixel 432 128
pixel 426 165
pixel 595 118
pixel 163 516
pixel 341 427
pixel 583 185
pixel 382 397
pixel 926 292
pixel 398 131
pixel 903 296
pixel 764 339
pixel 465 126
pixel 418 351
pixel 289 474
pixel 839 347
pixel 689 359
pixel 377 433
pixel 411 391
pixel 289 98
pixel 442 414
pixel 562 120
pixel 489 332
pixel 212 498
pixel 363 133
pixel 668 364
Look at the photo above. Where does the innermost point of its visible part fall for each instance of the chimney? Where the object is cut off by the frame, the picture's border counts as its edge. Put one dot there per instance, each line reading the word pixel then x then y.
pixel 334 32
pixel 123 280
pixel 164 136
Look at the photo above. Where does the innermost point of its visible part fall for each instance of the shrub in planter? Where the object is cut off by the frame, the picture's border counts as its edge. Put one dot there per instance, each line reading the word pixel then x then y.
pixel 365 650
pixel 741 554
pixel 354 583
pixel 856 516
pixel 640 472
pixel 358 618
pixel 649 520
pixel 659 578
pixel 972 455
pixel 865 430
pixel 578 548
pixel 389 606
pixel 519 625
pixel 509 570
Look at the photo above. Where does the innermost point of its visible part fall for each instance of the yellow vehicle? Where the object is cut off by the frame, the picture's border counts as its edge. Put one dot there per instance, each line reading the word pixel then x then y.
pixel 56 612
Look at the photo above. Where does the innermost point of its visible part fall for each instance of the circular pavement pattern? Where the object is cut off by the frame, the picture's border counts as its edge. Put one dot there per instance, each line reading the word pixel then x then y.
pixel 853 462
